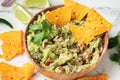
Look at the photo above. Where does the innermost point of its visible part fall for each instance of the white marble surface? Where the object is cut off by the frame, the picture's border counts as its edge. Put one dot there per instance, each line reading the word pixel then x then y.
pixel 110 9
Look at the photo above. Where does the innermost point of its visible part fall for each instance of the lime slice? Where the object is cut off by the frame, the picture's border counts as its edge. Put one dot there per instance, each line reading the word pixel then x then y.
pixel 36 4
pixel 21 13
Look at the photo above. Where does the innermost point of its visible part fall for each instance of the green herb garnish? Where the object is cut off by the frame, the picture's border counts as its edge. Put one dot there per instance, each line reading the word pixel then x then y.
pixel 115 42
pixel 42 31
pixel 6 22
pixel 115 57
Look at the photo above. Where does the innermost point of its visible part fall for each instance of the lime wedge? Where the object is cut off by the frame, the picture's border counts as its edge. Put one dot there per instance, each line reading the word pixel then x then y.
pixel 21 13
pixel 36 4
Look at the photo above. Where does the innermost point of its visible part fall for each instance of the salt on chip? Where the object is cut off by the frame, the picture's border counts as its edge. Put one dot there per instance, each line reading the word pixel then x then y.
pixel 81 33
pixel 10 72
pixel 79 11
pixel 59 16
pixel 97 23
pixel 12 44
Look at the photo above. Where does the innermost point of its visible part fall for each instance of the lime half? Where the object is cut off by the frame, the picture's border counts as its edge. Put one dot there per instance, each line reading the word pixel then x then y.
pixel 21 13
pixel 36 4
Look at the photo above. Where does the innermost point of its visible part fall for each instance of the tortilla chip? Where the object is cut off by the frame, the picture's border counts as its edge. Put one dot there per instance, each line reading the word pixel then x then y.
pixel 97 23
pixel 82 33
pixel 59 16
pixel 78 10
pixel 65 16
pixel 28 69
pixel 97 77
pixel 12 44
pixel 10 72
pixel 53 19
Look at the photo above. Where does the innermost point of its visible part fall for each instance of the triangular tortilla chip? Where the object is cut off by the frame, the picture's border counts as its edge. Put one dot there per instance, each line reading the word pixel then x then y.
pixel 59 16
pixel 28 70
pixel 53 19
pixel 97 23
pixel 12 44
pixel 78 10
pixel 81 33
pixel 64 16
pixel 10 72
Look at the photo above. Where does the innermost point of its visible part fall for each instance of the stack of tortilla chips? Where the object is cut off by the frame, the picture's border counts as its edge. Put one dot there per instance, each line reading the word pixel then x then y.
pixel 95 24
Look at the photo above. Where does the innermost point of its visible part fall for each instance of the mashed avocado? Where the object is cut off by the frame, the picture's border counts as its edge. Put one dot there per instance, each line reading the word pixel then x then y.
pixel 60 52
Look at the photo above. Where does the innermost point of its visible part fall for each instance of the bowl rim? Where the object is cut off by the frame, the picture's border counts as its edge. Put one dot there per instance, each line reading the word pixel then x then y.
pixel 59 76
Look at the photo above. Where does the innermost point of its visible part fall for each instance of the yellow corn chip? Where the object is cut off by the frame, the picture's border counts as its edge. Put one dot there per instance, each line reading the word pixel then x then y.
pixel 97 77
pixel 10 72
pixel 12 44
pixel 64 16
pixel 28 69
pixel 78 10
pixel 59 16
pixel 97 23
pixel 81 33
pixel 52 16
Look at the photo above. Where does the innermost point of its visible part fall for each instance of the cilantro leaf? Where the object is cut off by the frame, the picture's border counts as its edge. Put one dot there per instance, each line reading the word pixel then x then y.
pixel 35 26
pixel 113 42
pixel 38 38
pixel 115 57
pixel 46 26
pixel 41 31
pixel 118 39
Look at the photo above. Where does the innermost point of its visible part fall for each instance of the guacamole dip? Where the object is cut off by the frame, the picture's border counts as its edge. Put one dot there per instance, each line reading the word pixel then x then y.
pixel 55 49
